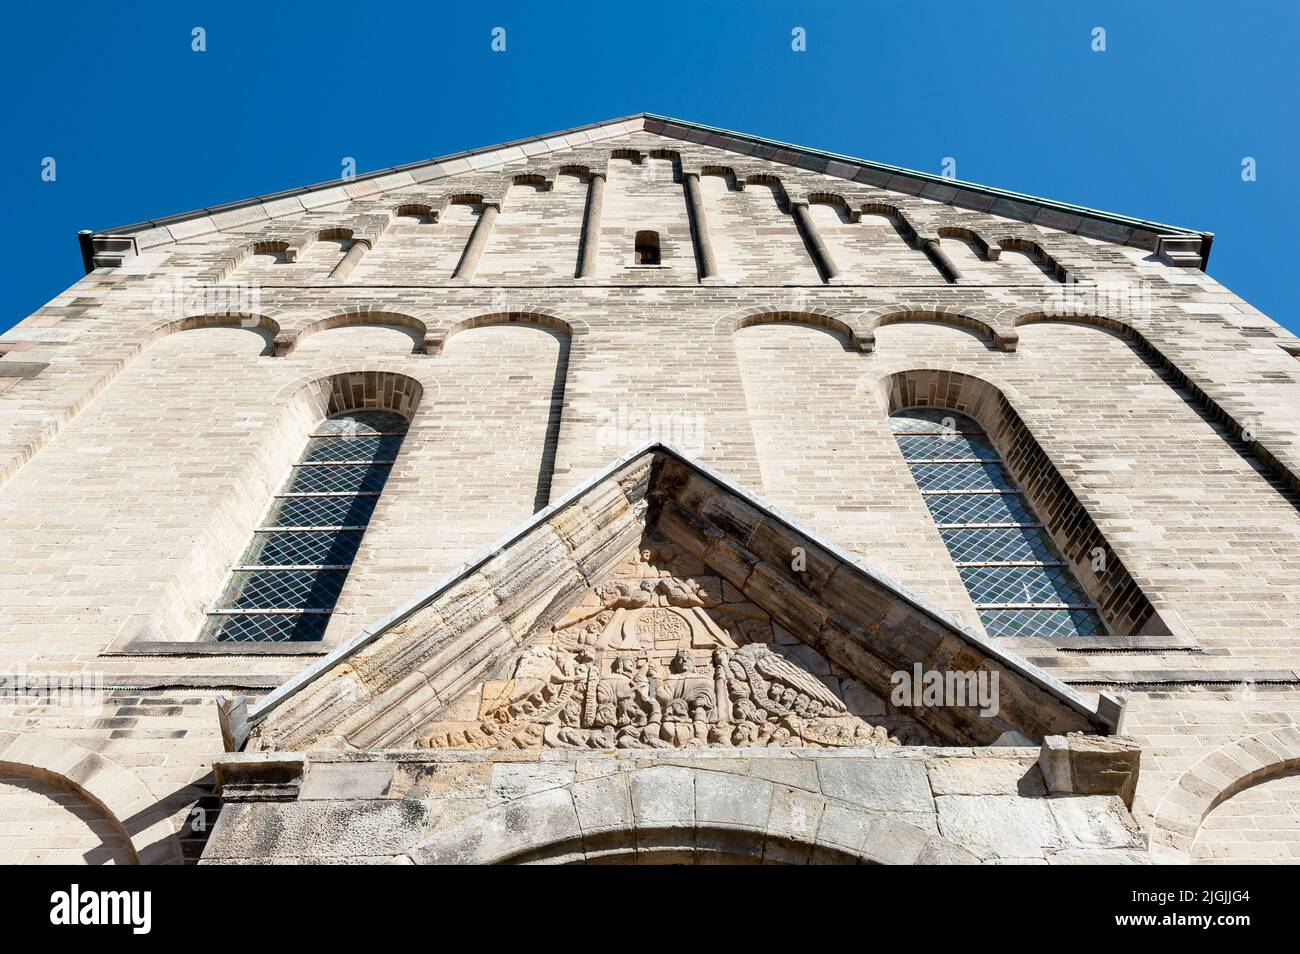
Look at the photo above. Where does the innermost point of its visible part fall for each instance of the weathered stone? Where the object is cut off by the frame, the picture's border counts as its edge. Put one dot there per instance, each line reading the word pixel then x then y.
pixel 998 825
pixel 882 785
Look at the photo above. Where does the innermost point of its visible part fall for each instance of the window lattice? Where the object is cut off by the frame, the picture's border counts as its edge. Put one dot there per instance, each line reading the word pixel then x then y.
pixel 1012 570
pixel 290 576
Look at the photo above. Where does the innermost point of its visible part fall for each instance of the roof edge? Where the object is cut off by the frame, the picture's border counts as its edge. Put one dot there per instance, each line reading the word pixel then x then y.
pixel 1110 226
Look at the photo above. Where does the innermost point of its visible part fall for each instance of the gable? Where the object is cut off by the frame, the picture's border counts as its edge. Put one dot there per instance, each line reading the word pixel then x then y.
pixel 806 174
pixel 670 595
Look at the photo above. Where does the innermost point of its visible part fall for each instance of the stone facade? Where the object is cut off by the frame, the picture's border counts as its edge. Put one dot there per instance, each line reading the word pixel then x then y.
pixel 151 411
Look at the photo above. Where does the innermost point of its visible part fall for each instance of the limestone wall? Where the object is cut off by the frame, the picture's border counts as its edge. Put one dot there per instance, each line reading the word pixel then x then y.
pixel 140 441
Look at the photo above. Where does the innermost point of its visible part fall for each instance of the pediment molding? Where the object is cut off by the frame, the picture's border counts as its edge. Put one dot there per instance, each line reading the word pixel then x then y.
pixel 654 557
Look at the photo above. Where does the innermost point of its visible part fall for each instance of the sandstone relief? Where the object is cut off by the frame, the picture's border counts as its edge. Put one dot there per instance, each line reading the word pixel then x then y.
pixel 664 655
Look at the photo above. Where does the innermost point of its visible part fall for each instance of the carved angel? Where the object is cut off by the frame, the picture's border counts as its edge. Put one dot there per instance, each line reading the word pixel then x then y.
pixel 682 592
pixel 617 594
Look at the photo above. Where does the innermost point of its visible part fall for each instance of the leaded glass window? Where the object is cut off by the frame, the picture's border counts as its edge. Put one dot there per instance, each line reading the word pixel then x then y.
pixel 285 586
pixel 1014 573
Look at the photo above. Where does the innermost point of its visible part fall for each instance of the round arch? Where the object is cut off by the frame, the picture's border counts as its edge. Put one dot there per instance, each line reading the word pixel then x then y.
pixel 1153 353
pixel 538 317
pixel 248 321
pixel 363 315
pixel 124 800
pixel 1003 339
pixel 352 389
pixel 1119 599
pixel 678 813
pixel 829 321
pixel 1215 778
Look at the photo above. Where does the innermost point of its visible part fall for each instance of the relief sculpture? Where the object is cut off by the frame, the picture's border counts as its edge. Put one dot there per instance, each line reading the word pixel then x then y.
pixel 643 663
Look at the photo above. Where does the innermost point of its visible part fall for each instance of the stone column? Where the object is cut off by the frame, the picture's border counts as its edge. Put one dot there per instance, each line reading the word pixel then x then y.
pixel 940 259
pixel 591 225
pixel 821 255
pixel 478 240
pixel 699 225
pixel 349 261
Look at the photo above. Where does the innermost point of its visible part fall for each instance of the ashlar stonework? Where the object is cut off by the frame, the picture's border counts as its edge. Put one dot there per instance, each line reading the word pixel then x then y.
pixel 638 577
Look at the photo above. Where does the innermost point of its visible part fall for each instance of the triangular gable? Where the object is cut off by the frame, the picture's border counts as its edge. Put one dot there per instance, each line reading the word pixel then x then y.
pixel 1187 245
pixel 528 613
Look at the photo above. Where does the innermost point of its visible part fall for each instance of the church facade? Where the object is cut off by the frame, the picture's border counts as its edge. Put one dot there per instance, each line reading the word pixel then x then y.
pixel 649 492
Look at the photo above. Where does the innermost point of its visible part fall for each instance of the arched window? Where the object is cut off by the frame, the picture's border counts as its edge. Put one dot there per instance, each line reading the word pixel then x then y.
pixel 647 248
pixel 1015 575
pixel 285 586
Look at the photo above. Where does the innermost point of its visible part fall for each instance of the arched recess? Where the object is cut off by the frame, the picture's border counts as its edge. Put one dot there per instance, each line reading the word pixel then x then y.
pixel 248 321
pixel 1037 256
pixel 118 793
pixel 675 814
pixel 282 249
pixel 564 331
pixel 260 324
pixel 286 343
pixel 843 331
pixel 1001 339
pixel 1215 778
pixel 980 245
pixel 1120 601
pixel 321 251
pixel 1197 396
pixel 421 212
pixel 322 516
pixel 437 339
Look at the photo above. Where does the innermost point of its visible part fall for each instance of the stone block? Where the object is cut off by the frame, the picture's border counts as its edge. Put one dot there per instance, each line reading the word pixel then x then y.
pixel 881 785
pixel 993 826
pixel 731 801
pixel 345 780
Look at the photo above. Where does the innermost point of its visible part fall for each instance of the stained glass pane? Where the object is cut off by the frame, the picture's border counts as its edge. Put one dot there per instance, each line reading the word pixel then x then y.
pixel 354 423
pixel 356 436
pixel 303 547
pixel 1021 584
pixel 1054 622
pixel 989 476
pixel 322 512
pixel 363 447
pixel 999 544
pixel 338 478
pixel 282 589
pixel 946 447
pixel 920 419
pixel 962 480
pixel 265 629
pixel 979 508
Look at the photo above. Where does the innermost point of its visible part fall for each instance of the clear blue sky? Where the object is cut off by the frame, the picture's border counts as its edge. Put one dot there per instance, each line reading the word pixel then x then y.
pixel 1154 127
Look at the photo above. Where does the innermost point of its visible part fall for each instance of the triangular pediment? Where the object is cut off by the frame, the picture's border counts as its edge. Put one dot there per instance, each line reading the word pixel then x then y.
pixel 658 605
pixel 665 653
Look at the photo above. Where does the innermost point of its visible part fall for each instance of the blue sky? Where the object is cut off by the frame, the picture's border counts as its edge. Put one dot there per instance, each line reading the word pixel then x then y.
pixel 1155 127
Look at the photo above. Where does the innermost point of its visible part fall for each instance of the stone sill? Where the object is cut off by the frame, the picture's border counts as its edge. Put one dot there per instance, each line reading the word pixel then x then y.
pixel 167 648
